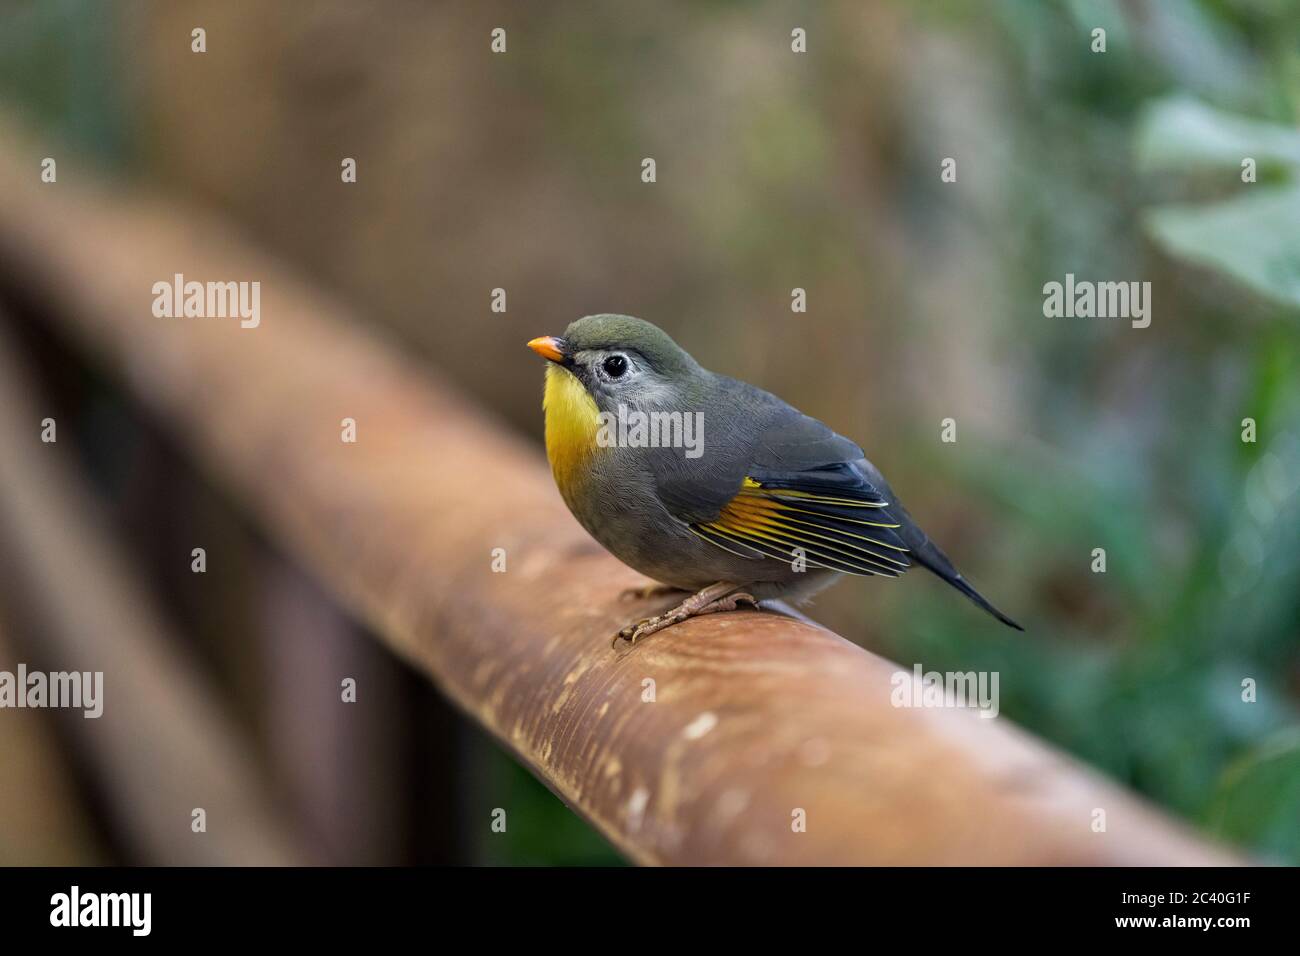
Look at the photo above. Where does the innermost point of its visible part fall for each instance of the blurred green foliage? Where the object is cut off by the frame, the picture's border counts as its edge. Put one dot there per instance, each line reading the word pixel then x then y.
pixel 56 58
pixel 540 830
pixel 1253 236
pixel 1140 670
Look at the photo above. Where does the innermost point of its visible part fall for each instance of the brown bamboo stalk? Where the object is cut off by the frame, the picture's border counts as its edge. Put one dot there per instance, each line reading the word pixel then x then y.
pixel 163 746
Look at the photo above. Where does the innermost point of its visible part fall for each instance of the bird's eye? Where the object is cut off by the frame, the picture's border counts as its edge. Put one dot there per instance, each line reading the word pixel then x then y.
pixel 615 366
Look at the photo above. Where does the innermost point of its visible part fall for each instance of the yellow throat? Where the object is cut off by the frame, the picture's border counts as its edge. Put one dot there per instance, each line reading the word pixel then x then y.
pixel 571 423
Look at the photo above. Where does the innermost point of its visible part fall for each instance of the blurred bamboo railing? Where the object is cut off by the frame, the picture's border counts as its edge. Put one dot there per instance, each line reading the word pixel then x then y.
pixel 755 716
pixel 163 746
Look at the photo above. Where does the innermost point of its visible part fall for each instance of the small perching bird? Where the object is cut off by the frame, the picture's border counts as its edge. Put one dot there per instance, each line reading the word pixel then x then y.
pixel 710 485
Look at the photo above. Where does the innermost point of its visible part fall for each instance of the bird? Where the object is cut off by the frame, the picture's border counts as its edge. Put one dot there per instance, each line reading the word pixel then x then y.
pixel 707 484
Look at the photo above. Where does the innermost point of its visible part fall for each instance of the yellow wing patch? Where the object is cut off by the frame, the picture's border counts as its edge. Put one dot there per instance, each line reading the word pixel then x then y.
pixel 830 531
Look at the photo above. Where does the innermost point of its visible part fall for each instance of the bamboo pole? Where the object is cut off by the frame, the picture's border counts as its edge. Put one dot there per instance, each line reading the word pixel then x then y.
pixel 756 720
pixel 162 747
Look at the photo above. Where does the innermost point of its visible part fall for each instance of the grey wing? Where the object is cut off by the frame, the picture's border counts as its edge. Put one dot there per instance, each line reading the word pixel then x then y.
pixel 744 428
pixel 787 482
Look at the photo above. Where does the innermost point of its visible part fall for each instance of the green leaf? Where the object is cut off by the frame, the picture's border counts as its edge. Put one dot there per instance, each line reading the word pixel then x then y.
pixel 1254 238
pixel 1182 133
pixel 1257 799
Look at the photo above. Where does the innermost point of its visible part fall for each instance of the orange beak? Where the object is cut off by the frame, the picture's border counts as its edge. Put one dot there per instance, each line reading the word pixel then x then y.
pixel 548 347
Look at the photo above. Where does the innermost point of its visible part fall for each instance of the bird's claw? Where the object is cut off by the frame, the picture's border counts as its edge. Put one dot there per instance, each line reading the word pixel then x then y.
pixel 650 625
pixel 637 629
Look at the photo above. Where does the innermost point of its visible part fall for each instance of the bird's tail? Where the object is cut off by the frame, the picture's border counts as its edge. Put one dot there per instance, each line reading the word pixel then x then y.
pixel 927 554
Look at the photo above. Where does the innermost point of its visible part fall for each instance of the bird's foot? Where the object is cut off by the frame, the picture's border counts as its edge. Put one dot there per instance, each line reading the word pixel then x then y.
pixel 716 597
pixel 647 591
